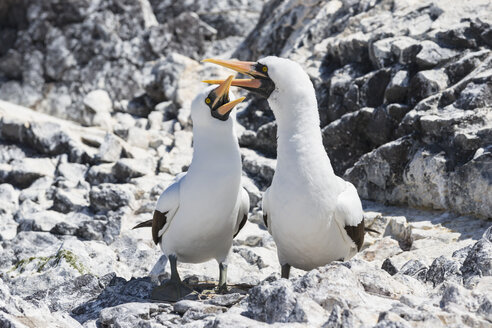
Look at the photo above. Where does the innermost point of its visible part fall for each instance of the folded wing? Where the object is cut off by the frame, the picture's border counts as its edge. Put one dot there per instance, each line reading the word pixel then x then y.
pixel 242 215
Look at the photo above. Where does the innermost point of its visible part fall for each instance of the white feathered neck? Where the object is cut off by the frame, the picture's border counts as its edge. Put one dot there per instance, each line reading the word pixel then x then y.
pixel 300 144
pixel 214 141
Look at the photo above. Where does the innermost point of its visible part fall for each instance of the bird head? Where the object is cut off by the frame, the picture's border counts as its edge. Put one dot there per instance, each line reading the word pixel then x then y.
pixel 268 74
pixel 214 102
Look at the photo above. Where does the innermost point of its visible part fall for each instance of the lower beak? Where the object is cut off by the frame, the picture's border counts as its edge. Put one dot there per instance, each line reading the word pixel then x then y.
pixel 223 91
pixel 224 109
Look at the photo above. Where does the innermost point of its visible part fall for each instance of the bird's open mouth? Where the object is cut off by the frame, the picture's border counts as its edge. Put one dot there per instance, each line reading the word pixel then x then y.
pixel 218 100
pixel 260 83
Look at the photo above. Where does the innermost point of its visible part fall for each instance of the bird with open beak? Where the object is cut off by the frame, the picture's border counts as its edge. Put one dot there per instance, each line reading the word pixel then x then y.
pixel 197 216
pixel 314 216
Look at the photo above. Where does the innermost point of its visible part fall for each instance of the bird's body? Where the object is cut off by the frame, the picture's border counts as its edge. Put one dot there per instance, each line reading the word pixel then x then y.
pixel 198 215
pixel 314 216
pixel 200 230
pixel 301 205
pixel 303 202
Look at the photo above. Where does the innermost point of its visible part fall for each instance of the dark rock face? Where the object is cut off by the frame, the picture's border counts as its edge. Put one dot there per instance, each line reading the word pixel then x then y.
pixel 275 303
pixel 416 81
pixel 65 49
pixel 442 269
pixel 389 267
pixel 110 197
pixel 404 92
pixel 375 83
pixel 479 260
pixel 414 268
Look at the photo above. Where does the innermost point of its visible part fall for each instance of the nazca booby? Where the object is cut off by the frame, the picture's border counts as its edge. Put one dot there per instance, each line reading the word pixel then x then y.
pixel 197 216
pixel 314 216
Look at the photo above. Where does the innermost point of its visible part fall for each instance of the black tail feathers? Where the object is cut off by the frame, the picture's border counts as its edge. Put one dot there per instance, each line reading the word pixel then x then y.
pixel 144 224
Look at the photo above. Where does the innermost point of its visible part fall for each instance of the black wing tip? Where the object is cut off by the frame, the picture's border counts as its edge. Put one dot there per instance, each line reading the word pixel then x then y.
pixel 356 233
pixel 144 224
pixel 241 225
pixel 158 222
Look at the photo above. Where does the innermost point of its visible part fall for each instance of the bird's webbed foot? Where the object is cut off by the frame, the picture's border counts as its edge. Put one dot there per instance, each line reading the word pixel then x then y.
pixel 170 291
pixel 222 289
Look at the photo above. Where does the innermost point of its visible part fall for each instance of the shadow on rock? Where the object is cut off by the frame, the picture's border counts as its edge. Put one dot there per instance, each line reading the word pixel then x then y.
pixel 116 291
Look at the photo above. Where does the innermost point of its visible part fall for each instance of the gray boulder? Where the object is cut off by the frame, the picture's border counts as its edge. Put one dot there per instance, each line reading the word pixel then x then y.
pixel 111 197
pixel 479 259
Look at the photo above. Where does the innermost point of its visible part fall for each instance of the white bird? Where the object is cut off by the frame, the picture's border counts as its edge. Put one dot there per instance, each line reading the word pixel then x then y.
pixel 197 216
pixel 314 216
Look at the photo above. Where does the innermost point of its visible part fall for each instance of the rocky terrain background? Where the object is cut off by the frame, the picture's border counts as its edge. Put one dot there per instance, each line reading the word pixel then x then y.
pixel 94 124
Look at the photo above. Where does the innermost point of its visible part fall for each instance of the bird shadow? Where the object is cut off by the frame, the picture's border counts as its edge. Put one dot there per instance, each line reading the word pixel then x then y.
pixel 120 291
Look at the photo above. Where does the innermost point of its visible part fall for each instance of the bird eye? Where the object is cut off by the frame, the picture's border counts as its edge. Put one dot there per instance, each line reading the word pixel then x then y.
pixel 208 100
pixel 264 69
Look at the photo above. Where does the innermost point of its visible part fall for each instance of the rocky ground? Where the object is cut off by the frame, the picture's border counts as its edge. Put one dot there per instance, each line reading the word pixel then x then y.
pixel 405 94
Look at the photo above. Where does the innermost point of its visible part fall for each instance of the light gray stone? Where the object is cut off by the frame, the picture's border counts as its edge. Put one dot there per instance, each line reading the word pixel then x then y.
pixel 397 89
pixel 138 137
pixel 110 149
pixel 427 83
pixel 101 173
pixel 107 196
pixel 40 221
pixel 73 172
pixel 405 49
pixel 24 172
pixel 98 101
pixel 72 200
pixel 131 314
pixel 9 199
pixel 258 167
pixel 128 168
pixel 432 55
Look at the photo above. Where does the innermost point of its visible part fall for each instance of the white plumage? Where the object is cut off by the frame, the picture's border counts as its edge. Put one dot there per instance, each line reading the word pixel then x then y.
pixel 307 206
pixel 206 204
pixel 199 214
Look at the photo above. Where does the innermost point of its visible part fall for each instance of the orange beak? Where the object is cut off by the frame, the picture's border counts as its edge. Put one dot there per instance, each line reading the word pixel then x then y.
pixel 260 83
pixel 248 68
pixel 223 91
pixel 245 83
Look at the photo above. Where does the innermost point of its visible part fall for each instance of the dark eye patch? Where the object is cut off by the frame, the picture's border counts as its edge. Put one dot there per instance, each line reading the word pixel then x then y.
pixel 210 99
pixel 261 68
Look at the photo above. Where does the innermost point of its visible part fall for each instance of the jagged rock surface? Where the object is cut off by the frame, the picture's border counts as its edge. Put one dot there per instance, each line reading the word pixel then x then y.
pixel 404 89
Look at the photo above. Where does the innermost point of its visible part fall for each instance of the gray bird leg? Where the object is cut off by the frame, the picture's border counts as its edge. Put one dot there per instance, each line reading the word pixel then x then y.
pixel 222 288
pixel 285 271
pixel 171 290
pixel 174 268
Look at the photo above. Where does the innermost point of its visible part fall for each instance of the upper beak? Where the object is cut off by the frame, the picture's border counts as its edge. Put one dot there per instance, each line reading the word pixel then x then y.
pixel 243 67
pixel 222 91
pixel 245 83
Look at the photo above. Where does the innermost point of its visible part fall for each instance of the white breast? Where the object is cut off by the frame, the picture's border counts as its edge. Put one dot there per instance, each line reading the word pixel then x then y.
pixel 303 223
pixel 204 223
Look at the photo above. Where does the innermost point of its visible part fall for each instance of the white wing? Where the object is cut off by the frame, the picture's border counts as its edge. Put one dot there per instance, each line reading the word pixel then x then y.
pixel 242 214
pixel 349 208
pixel 168 203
